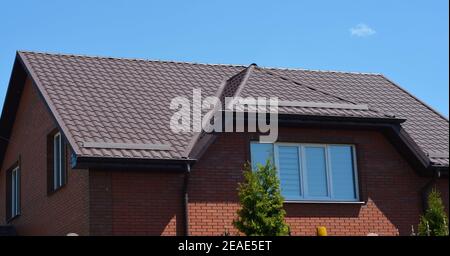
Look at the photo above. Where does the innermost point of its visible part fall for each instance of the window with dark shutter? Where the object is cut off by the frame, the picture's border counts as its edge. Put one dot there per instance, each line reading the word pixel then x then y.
pixel 56 162
pixel 12 192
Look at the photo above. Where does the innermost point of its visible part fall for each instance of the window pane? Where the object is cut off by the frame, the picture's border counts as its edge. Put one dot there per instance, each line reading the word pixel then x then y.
pixel 342 173
pixel 260 153
pixel 16 193
pixel 316 171
pixel 289 172
pixel 13 194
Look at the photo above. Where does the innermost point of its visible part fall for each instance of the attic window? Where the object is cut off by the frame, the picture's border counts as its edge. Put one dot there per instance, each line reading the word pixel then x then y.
pixel 56 172
pixel 13 193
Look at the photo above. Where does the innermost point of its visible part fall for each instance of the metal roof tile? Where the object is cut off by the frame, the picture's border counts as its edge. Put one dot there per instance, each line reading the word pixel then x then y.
pixel 127 100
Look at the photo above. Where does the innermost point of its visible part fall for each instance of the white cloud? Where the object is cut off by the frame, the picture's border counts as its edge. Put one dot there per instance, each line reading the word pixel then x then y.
pixel 362 30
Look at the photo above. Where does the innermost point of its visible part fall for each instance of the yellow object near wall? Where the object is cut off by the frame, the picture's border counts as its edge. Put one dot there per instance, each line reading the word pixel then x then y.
pixel 322 231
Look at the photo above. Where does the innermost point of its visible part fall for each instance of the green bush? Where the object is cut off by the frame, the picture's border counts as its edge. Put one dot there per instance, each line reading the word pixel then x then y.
pixel 434 222
pixel 261 212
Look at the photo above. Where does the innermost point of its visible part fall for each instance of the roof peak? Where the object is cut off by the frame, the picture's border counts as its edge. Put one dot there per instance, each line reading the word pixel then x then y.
pixel 194 63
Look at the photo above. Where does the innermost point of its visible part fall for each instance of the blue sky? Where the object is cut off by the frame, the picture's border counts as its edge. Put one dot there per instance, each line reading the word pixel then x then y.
pixel 406 40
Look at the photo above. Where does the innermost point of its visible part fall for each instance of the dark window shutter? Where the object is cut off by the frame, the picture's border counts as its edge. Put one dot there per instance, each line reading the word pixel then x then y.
pixel 8 194
pixel 50 182
pixel 64 160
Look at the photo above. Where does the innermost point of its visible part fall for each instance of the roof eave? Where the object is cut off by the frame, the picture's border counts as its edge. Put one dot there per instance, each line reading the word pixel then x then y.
pixel 120 163
pixel 286 118
pixel 391 128
pixel 443 170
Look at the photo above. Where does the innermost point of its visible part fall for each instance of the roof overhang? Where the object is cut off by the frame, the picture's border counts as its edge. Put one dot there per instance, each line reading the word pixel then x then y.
pixel 287 119
pixel 111 163
pixel 391 128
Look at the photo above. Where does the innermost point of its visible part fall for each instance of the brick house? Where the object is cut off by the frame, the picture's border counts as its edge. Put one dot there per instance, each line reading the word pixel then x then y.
pixel 86 148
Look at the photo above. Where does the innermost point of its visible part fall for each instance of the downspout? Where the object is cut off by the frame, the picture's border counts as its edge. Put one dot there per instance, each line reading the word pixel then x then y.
pixel 425 191
pixel 186 199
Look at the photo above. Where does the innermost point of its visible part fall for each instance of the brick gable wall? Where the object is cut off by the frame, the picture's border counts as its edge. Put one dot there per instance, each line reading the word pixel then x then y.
pixel 57 214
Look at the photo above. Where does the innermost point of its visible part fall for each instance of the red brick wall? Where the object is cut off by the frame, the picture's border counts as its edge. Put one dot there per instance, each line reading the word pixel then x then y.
pixel 387 183
pixel 60 213
pixel 150 203
pixel 136 203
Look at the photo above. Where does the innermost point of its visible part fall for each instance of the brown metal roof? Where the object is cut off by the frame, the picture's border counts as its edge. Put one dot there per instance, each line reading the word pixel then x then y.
pixel 126 101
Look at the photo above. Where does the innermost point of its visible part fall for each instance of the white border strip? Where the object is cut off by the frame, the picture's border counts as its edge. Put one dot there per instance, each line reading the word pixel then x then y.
pixel 438 154
pixel 108 145
pixel 305 104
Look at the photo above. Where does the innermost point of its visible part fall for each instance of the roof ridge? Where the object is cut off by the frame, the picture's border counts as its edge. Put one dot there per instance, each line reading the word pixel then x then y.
pixel 238 73
pixel 248 72
pixel 131 59
pixel 323 92
pixel 194 63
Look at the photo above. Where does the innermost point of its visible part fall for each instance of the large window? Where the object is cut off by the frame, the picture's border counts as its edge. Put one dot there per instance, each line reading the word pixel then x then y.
pixel 311 172
pixel 13 193
pixel 57 176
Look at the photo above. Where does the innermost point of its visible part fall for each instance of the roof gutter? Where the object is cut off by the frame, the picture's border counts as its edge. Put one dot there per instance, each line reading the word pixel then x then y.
pixel 110 163
pixel 304 119
pixel 186 198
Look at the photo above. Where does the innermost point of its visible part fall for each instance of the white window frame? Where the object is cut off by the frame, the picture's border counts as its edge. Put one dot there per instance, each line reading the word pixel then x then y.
pixel 303 175
pixel 15 193
pixel 57 165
